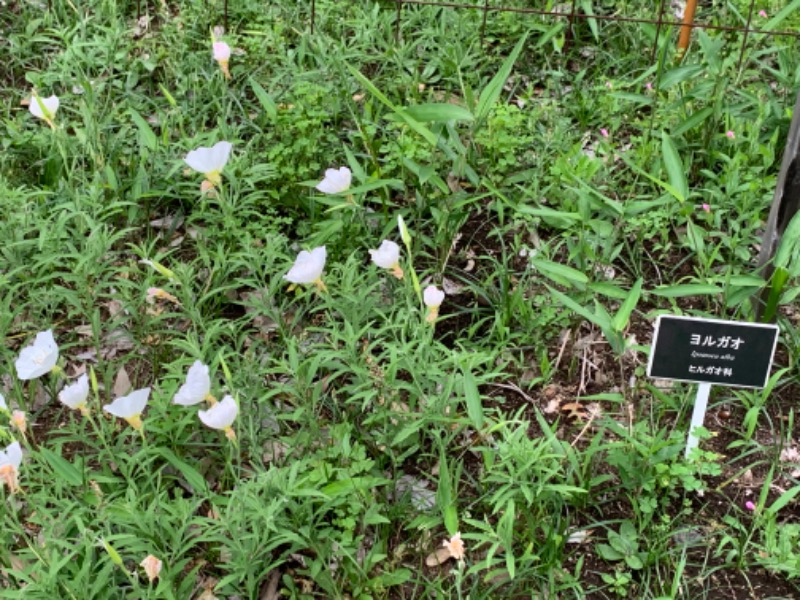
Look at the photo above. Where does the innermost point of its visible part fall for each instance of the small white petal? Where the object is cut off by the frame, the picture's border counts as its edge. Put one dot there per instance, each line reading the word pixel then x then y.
pixel 209 160
pixel 221 51
pixel 129 406
pixel 197 386
pixel 308 266
pixel 12 455
pixel 221 415
pixel 387 256
pixel 38 358
pixel 75 395
pixel 50 104
pixel 3 405
pixel 432 296
pixel 336 181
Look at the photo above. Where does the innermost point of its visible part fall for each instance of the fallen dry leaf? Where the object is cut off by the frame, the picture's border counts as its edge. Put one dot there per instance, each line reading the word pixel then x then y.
pixel 122 383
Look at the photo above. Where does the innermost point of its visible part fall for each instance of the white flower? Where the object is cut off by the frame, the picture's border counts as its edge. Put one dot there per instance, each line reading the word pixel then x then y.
pixel 221 416
pixel 388 257
pixel 10 460
pixel 152 567
pixel 44 108
pixel 433 298
pixel 221 51
pixel 38 358
pixel 336 181
pixel 3 405
pixel 197 386
pixel 210 161
pixel 74 396
pixel 130 407
pixel 308 267
pixel 222 54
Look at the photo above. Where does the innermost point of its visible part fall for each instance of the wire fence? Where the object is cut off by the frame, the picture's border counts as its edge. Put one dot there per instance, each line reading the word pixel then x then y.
pixel 577 12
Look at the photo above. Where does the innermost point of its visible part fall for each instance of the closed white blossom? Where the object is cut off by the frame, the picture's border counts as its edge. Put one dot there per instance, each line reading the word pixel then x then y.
pixel 388 257
pixel 38 358
pixel 433 298
pixel 222 54
pixel 152 567
pixel 308 267
pixel 197 386
pixel 3 405
pixel 221 416
pixel 75 395
pixel 336 181
pixel 210 161
pixel 130 407
pixel 20 421
pixel 10 461
pixel 44 108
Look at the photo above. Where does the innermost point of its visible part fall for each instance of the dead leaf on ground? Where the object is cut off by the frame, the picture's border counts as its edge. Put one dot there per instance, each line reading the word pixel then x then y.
pixel 269 590
pixel 122 383
pixel 441 556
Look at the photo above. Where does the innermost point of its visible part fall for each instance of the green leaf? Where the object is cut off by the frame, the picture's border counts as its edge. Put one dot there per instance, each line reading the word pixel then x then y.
pixel 426 133
pixel 472 396
pixel 556 218
pixel 693 121
pixel 491 93
pixel 559 273
pixel 678 75
pixel 438 113
pixel 789 248
pixel 147 136
pixel 787 10
pixel 624 313
pixel 675 170
pixel 783 500
pixel 63 469
pixel 266 101
pixel 606 552
pixel 598 320
pixel 192 475
pixel 686 289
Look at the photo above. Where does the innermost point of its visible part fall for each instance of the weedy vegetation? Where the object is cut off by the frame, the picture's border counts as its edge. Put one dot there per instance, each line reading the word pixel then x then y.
pixel 346 431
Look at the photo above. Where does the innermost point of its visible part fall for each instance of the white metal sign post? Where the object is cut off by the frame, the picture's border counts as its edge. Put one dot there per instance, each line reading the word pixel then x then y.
pixel 711 351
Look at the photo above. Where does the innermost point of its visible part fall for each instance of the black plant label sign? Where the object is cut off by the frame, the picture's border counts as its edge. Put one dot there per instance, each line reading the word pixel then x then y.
pixel 712 351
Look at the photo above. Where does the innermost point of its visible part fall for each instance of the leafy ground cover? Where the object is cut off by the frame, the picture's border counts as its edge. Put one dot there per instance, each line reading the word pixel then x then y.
pixel 368 443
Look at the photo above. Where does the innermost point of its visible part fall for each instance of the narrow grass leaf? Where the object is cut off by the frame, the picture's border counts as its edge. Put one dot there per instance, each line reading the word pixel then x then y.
pixel 674 166
pixel 63 469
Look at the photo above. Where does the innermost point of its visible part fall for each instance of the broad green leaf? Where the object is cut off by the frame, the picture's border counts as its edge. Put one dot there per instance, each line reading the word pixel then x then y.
pixel 63 469
pixel 675 170
pixel 491 93
pixel 192 475
pixel 624 313
pixel 686 289
pixel 267 103
pixel 551 215
pixel 472 397
pixel 560 273
pixel 438 113
pixel 678 75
